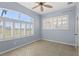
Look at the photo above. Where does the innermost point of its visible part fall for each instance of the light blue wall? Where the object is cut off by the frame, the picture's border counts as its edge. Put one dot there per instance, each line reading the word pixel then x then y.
pixel 77 9
pixel 5 45
pixel 77 24
pixel 60 36
pixel 66 37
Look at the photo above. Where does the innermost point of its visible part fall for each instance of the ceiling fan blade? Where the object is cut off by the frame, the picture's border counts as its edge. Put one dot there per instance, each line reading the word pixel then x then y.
pixel 48 6
pixel 41 8
pixel 69 3
pixel 40 2
pixel 35 7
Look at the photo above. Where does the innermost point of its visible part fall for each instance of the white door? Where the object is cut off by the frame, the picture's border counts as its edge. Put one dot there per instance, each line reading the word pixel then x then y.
pixel 77 35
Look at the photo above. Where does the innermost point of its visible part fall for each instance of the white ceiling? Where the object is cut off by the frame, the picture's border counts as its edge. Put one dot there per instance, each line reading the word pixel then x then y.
pixel 56 6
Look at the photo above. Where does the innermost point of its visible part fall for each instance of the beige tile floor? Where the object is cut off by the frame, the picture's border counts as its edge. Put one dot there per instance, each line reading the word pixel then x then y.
pixel 43 48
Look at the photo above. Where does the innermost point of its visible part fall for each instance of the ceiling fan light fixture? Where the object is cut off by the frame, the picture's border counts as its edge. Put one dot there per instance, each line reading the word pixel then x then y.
pixel 42 5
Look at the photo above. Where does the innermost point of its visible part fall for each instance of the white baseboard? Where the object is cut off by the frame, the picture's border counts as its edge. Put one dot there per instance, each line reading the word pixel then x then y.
pixel 32 42
pixel 59 42
pixel 16 47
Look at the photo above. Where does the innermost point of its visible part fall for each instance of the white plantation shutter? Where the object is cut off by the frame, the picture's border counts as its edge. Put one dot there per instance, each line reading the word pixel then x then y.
pixel 56 23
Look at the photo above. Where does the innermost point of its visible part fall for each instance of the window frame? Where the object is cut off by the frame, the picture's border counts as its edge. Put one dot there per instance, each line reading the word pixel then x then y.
pixel 56 27
pixel 16 20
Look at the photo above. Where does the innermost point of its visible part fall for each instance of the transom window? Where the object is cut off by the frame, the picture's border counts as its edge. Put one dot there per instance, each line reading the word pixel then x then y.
pixel 26 18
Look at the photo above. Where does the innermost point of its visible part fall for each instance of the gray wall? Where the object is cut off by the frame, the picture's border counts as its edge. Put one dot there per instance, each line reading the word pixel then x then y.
pixel 5 45
pixel 66 37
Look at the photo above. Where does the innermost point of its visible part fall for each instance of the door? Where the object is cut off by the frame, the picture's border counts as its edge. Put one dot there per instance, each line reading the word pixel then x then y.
pixel 77 35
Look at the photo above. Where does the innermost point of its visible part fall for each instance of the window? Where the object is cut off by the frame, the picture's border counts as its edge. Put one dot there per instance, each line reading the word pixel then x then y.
pixel 32 29
pixel 28 29
pixel 16 30
pixel 23 27
pixel 54 23
pixel 15 24
pixel 0 11
pixel 11 14
pixel 26 18
pixel 63 22
pixel 59 22
pixel 7 29
pixel 50 23
pixel 1 34
pixel 47 23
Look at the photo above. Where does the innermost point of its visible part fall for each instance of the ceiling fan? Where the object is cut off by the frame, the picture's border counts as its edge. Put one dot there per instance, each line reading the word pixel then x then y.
pixel 42 5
